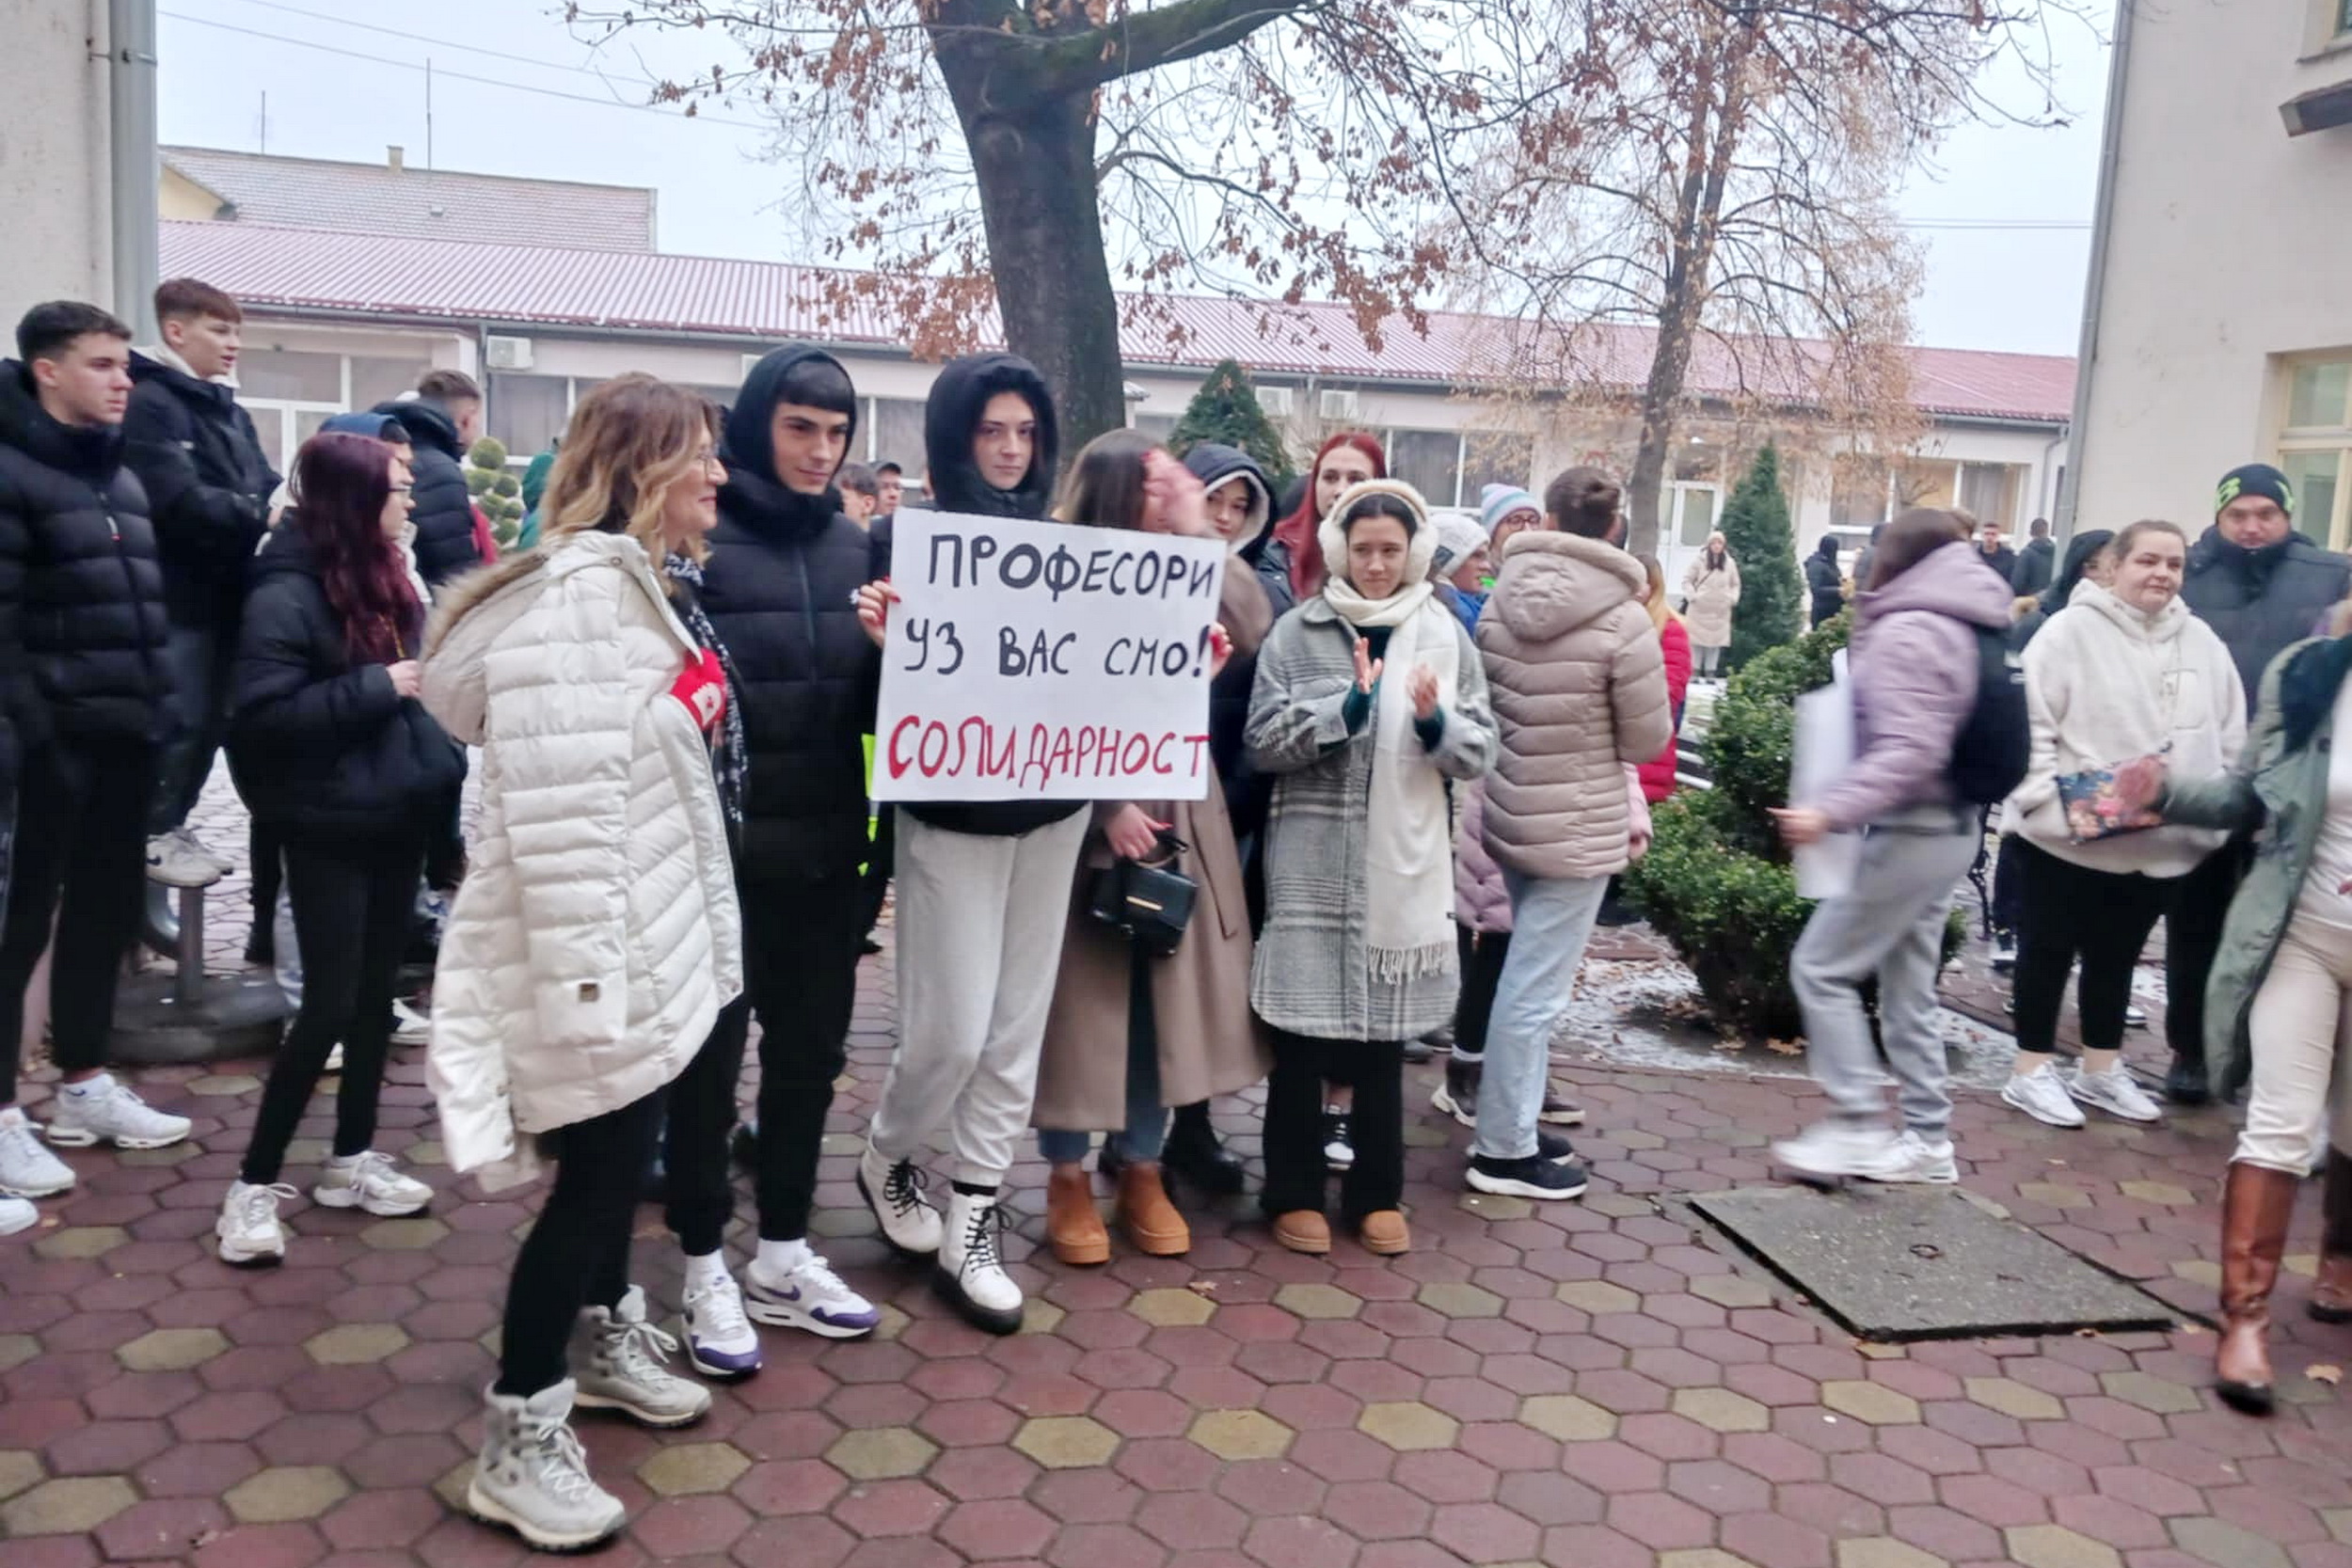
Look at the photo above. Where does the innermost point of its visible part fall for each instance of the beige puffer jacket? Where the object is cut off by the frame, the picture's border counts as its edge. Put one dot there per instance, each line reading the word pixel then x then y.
pixel 1578 687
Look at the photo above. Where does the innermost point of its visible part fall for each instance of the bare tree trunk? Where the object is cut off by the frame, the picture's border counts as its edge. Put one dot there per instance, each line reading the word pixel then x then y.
pixel 1033 156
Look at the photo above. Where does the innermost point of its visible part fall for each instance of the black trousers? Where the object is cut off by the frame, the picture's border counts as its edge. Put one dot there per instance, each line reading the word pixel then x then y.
pixel 2009 886
pixel 801 943
pixel 264 844
pixel 2192 936
pixel 577 1255
pixel 1483 953
pixel 879 860
pixel 2101 917
pixel 1297 1176
pixel 352 901
pixel 80 855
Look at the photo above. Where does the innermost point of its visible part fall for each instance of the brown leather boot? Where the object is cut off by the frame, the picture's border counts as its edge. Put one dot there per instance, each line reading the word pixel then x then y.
pixel 2256 1205
pixel 1153 1223
pixel 2332 1293
pixel 1073 1226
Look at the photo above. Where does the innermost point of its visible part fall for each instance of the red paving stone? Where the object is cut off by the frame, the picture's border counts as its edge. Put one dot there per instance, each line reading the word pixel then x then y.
pixel 1586 1385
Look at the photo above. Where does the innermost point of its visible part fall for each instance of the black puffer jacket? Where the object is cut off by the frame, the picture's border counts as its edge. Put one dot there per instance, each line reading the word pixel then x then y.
pixel 962 391
pixel 777 589
pixel 444 508
pixel 1247 793
pixel 208 486
pixel 317 745
pixel 1824 582
pixel 82 636
pixel 2260 601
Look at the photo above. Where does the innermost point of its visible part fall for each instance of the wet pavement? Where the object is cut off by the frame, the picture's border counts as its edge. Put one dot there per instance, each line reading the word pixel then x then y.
pixel 1600 1384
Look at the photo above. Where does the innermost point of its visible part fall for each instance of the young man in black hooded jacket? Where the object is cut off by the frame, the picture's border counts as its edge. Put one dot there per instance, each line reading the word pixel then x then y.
pixel 983 892
pixel 784 570
pixel 444 419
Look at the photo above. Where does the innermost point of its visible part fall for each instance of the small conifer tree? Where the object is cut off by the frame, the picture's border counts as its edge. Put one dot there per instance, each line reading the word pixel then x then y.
pixel 1755 529
pixel 1225 410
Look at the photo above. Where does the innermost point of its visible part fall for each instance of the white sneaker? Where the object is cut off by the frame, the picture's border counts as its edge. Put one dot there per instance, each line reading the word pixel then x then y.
pixel 248 1232
pixel 1339 1143
pixel 2004 952
pixel 895 1194
pixel 533 1476
pixel 2114 1091
pixel 17 1214
pixel 720 1339
pixel 27 1169
pixel 409 1027
pixel 971 1274
pixel 102 1110
pixel 1913 1158
pixel 176 858
pixel 620 1362
pixel 1835 1150
pixel 812 1297
pixel 2042 1095
pixel 2134 1018
pixel 334 1059
pixel 371 1183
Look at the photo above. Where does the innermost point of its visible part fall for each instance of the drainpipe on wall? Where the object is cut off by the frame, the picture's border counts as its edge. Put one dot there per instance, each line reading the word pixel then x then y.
pixel 131 160
pixel 2095 286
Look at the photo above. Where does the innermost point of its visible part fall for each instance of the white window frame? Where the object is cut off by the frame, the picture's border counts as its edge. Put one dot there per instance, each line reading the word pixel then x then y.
pixel 2304 440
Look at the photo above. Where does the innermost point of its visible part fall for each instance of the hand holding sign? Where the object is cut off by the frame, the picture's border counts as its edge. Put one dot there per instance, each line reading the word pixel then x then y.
pixel 873 602
pixel 1422 688
pixel 1367 668
pixel 1132 835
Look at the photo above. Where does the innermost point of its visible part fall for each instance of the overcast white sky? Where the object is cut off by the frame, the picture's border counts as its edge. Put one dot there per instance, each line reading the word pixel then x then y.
pixel 2005 214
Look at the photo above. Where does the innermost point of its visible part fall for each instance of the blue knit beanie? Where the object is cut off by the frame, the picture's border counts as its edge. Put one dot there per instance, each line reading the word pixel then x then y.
pixel 1498 501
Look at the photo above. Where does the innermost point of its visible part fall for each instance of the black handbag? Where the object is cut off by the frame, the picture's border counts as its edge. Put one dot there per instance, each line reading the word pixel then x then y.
pixel 1145 901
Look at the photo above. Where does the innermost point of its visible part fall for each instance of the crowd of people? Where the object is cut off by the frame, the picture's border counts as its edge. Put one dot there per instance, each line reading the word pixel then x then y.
pixel 1437 734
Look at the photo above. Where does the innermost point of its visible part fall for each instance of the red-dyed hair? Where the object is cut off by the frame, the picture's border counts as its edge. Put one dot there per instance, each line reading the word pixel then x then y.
pixel 1298 532
pixel 342 481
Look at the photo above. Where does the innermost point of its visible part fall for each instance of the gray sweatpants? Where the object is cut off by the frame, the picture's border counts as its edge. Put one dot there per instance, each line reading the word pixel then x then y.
pixel 1891 925
pixel 979 927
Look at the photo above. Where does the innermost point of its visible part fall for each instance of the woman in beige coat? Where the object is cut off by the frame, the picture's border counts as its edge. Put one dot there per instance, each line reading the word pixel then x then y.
pixel 1711 590
pixel 1130 1035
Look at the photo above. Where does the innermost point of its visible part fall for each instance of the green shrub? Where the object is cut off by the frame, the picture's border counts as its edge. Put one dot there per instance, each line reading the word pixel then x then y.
pixel 1717 884
pixel 1756 528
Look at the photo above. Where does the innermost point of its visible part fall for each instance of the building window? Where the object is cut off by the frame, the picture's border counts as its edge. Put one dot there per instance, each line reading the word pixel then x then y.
pixel 2315 448
pixel 1158 426
pixel 374 380
pixel 1986 491
pixel 287 376
pixel 1496 457
pixel 1857 492
pixel 1430 460
pixel 895 428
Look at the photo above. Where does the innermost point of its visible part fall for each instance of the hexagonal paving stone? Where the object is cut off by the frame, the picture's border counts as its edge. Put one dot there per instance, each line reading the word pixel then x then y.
pixel 72 1506
pixel 1409 1425
pixel 2163 1194
pixel 1241 1435
pixel 287 1492
pixel 2198 1270
pixel 2226 1545
pixel 1456 1299
pixel 1171 1307
pixel 879 1454
pixel 1495 1206
pixel 355 1344
pixel 1702 1557
pixel 1039 1315
pixel 410 1235
pixel 1731 1290
pixel 17 1349
pixel 1885 1551
pixel 2056 1546
pixel 2150 1392
pixel 693 1468
pixel 1568 1419
pixel 2013 1398
pixel 1317 1302
pixel 893 1323
pixel 1871 1403
pixel 229 1083
pixel 1067 1442
pixel 1721 1410
pixel 172 1350
pixel 19 1471
pixel 1598 1296
pixel 2050 1195
pixel 81 1241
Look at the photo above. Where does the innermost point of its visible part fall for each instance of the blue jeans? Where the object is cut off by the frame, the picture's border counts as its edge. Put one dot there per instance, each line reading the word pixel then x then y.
pixel 200 661
pixel 1551 919
pixel 1146 1132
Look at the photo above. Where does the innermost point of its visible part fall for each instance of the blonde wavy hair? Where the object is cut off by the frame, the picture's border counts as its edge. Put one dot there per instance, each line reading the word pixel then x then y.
pixel 629 442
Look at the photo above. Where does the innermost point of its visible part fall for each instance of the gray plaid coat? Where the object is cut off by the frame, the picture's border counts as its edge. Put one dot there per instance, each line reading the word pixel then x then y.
pixel 1312 975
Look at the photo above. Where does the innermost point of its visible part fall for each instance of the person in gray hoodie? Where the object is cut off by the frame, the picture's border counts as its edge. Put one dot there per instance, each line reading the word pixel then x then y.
pixel 1914 663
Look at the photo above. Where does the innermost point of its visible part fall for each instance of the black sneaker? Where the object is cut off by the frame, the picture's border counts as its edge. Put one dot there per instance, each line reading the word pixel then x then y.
pixel 1457 1097
pixel 1533 1177
pixel 2186 1084
pixel 1553 1146
pixel 1193 1153
pixel 1337 1152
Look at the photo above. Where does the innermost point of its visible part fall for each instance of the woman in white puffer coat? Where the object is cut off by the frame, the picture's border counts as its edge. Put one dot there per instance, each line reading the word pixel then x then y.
pixel 597 934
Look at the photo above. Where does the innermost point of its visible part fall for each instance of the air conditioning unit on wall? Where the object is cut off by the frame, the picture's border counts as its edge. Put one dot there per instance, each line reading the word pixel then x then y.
pixel 1341 406
pixel 750 361
pixel 1276 401
pixel 506 354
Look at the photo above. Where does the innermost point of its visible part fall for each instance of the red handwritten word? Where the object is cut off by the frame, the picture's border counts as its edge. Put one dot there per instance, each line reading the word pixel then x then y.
pixel 976 748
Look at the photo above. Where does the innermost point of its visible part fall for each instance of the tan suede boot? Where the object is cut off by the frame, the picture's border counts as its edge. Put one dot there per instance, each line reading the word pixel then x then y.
pixel 1152 1221
pixel 2332 1293
pixel 2256 1205
pixel 1073 1226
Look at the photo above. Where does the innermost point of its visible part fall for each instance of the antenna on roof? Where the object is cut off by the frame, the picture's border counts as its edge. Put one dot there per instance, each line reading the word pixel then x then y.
pixel 265 119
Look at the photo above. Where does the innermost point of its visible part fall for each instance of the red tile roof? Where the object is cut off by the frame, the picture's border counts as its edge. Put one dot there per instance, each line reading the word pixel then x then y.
pixel 540 285
pixel 418 203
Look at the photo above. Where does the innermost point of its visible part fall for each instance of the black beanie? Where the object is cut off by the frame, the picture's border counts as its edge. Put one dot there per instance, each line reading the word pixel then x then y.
pixel 2254 479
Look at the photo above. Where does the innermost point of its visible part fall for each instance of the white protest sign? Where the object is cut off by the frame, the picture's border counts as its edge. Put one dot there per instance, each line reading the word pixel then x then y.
pixel 1041 661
